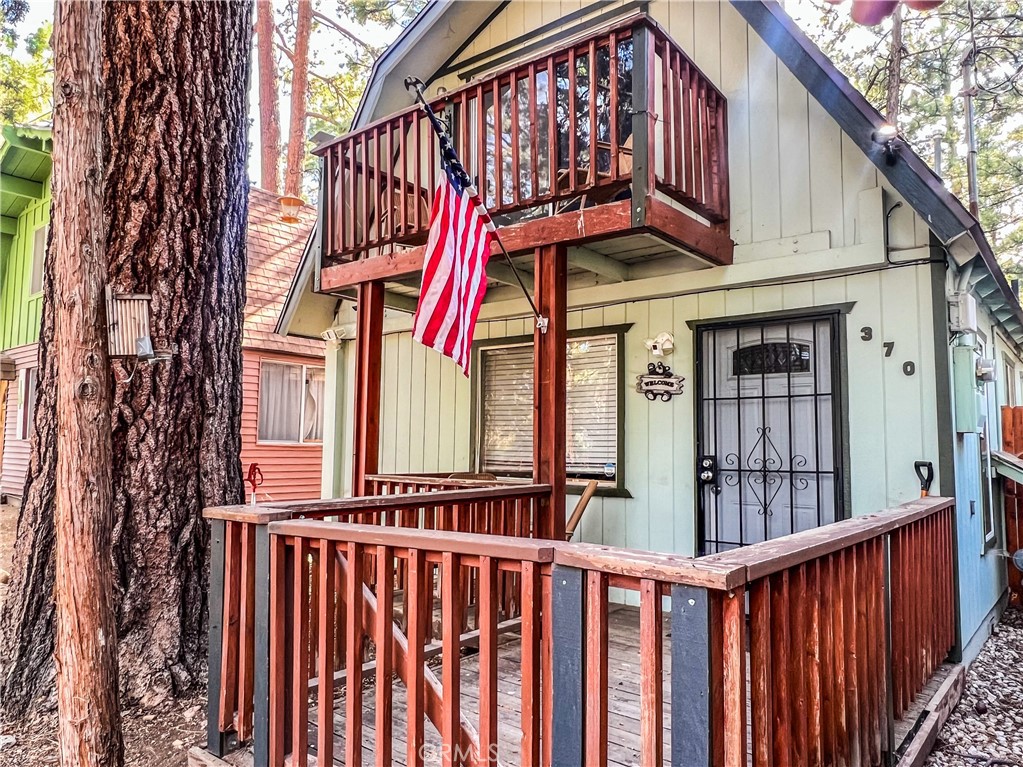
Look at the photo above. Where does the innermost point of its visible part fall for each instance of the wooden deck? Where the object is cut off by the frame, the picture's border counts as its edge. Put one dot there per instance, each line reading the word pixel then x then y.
pixel 623 708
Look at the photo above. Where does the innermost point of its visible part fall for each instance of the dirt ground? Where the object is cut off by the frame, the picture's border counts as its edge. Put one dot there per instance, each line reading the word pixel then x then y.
pixel 158 737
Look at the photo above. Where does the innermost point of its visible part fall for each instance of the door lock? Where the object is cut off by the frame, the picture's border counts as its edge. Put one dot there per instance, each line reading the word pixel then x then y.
pixel 708 472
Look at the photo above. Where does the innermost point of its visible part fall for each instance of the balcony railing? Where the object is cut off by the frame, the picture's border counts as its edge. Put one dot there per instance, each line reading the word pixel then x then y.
pixel 618 114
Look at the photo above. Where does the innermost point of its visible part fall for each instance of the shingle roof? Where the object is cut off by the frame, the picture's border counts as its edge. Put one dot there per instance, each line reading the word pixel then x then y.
pixel 274 251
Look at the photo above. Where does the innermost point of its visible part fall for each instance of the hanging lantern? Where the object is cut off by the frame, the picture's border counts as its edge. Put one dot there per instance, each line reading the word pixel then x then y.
pixel 290 206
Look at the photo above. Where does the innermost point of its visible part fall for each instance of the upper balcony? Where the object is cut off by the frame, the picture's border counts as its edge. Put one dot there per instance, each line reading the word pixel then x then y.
pixel 613 134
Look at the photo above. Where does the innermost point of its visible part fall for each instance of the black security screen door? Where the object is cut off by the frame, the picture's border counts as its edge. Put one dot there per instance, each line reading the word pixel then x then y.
pixel 768 430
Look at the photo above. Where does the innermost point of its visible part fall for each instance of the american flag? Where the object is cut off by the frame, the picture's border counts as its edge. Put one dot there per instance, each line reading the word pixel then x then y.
pixel 454 267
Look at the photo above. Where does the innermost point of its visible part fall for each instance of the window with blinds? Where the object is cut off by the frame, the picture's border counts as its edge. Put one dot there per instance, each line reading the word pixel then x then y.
pixel 592 417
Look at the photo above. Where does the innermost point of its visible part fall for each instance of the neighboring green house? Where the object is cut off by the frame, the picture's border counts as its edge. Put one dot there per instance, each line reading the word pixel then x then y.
pixel 25 166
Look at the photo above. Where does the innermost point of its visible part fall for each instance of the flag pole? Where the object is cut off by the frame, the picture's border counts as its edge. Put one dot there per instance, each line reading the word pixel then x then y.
pixel 416 85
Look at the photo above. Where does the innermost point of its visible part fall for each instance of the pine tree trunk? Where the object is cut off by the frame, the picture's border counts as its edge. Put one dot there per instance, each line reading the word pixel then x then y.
pixel 299 99
pixel 177 78
pixel 893 102
pixel 269 112
pixel 89 734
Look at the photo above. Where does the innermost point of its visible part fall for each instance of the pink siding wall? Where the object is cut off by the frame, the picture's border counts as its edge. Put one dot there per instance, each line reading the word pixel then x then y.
pixel 14 462
pixel 290 472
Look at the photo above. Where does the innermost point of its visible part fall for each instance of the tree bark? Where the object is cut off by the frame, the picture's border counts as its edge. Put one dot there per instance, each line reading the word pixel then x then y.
pixel 175 135
pixel 893 86
pixel 269 112
pixel 89 732
pixel 299 99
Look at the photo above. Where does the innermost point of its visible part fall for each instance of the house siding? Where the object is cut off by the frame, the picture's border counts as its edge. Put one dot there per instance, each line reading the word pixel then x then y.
pixel 290 472
pixel 20 309
pixel 14 461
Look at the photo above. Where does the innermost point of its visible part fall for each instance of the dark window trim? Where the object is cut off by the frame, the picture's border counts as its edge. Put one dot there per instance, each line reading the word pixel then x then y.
pixel 573 487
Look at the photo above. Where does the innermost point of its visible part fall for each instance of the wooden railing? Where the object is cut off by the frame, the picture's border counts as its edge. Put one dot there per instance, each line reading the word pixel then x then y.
pixel 793 633
pixel 565 134
pixel 240 579
pixel 822 639
pixel 346 556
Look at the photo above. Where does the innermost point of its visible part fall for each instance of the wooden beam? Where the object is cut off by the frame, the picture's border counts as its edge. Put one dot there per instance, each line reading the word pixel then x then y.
pixel 688 233
pixel 369 336
pixel 8 225
pixel 599 264
pixel 392 300
pixel 549 382
pixel 500 271
pixel 578 226
pixel 21 187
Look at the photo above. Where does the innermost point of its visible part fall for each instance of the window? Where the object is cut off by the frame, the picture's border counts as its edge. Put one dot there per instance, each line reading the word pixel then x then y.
pixel 290 402
pixel 1010 383
pixel 28 381
pixel 39 258
pixel 593 418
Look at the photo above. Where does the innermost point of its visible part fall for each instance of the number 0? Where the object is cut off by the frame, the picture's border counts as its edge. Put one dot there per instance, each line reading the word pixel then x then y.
pixel 908 368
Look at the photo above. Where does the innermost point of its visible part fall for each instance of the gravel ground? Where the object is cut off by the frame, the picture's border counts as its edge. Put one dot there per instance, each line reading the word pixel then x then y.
pixel 986 727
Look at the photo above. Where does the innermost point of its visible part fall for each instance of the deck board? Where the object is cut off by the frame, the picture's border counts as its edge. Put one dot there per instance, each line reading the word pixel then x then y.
pixel 623 713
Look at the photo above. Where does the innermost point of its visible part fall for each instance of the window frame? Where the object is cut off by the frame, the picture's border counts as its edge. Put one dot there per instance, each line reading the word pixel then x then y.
pixel 25 424
pixel 302 442
pixel 608 489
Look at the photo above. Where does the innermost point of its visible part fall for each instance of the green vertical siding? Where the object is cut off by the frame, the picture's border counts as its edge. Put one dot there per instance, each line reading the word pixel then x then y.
pixel 20 309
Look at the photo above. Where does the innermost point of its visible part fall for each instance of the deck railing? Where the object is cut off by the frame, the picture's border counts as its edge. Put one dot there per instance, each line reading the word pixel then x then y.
pixel 240 580
pixel 822 638
pixel 573 127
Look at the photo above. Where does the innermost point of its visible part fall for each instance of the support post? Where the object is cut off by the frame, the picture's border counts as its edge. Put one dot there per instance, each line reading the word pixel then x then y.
pixel 569 680
pixel 261 652
pixel 369 349
pixel 889 758
pixel 642 121
pixel 216 741
pixel 692 723
pixel 549 382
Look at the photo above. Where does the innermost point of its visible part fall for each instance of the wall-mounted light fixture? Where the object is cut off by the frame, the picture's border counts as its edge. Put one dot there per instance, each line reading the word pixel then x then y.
pixel 290 206
pixel 886 135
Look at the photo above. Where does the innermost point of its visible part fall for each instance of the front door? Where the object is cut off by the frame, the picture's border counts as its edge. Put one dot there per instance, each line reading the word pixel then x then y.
pixel 768 428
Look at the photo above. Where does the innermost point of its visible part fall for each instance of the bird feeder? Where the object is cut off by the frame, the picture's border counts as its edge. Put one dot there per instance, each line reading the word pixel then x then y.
pixel 290 206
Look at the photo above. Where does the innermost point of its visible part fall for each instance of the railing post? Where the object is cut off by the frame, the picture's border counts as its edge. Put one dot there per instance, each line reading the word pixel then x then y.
pixel 567 641
pixel 889 679
pixel 261 652
pixel 692 722
pixel 642 120
pixel 217 743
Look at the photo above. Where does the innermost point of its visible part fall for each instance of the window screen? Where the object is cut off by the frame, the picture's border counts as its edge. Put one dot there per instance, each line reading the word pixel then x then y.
pixel 29 384
pixel 592 417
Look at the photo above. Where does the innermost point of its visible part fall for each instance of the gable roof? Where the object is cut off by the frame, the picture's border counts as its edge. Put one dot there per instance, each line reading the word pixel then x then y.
pixel 274 251
pixel 913 178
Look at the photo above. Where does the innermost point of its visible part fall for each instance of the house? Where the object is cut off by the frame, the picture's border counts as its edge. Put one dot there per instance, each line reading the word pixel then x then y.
pixel 283 378
pixel 688 174
pixel 25 167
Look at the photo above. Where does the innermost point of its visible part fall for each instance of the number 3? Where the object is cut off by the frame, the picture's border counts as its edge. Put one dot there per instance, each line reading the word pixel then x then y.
pixel 866 333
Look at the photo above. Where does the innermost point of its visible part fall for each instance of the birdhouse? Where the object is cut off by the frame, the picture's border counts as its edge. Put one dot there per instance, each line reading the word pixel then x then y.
pixel 128 325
